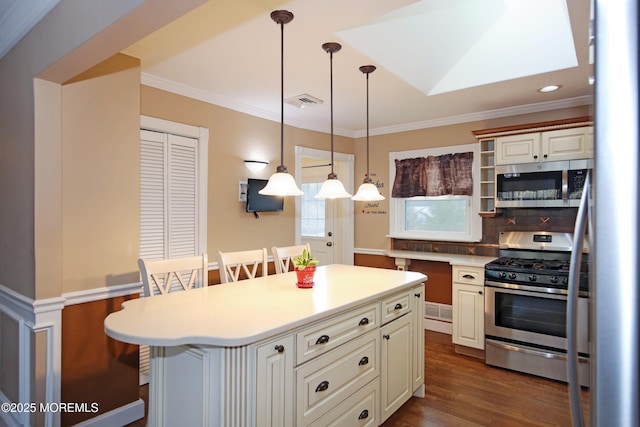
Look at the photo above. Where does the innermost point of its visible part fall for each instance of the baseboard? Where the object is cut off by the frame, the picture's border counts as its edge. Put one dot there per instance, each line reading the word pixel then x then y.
pixel 118 417
pixel 438 326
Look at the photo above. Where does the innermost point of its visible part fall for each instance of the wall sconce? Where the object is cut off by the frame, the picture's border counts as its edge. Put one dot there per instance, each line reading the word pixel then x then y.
pixel 255 165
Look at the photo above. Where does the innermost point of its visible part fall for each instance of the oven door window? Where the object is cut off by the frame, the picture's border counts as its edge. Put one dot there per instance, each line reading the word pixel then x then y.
pixel 532 314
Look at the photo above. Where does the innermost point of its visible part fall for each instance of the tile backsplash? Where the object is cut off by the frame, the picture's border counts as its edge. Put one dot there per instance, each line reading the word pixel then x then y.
pixel 552 219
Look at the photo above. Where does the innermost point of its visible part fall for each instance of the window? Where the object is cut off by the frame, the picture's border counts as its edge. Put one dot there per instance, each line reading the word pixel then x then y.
pixel 448 218
pixel 313 211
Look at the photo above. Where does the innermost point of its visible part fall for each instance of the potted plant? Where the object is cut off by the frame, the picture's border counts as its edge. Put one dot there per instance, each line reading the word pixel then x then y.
pixel 305 267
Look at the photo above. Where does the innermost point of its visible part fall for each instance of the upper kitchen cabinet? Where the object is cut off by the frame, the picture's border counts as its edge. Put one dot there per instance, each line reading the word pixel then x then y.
pixel 553 145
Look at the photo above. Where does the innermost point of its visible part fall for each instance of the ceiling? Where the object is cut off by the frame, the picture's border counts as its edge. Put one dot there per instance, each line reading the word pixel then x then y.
pixel 438 61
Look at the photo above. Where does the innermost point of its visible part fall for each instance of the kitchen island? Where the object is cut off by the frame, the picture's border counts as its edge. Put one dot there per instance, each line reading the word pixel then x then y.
pixel 260 352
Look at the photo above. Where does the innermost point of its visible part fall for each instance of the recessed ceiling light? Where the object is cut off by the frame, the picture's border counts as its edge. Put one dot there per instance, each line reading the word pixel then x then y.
pixel 549 88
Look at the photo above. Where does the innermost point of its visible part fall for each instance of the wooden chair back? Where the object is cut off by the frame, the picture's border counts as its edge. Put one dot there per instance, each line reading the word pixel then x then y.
pixel 231 264
pixel 162 276
pixel 282 256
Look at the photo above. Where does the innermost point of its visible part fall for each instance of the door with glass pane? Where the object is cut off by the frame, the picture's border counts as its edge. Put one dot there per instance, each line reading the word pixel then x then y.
pixel 317 224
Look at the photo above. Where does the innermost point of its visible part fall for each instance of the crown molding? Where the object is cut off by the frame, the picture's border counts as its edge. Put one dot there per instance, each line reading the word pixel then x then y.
pixel 179 89
pixel 19 18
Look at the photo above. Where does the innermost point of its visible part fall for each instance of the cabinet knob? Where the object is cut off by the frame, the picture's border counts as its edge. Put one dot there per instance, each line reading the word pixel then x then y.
pixel 363 361
pixel 386 337
pixel 322 386
pixel 398 306
pixel 535 157
pixel 480 292
pixel 545 156
pixel 363 321
pixel 418 295
pixel 279 348
pixel 323 339
pixel 364 414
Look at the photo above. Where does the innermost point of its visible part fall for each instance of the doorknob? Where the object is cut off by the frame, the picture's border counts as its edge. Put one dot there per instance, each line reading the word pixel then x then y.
pixel 329 244
pixel 330 234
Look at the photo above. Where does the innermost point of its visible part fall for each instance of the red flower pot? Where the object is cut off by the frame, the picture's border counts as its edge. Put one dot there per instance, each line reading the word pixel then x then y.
pixel 305 276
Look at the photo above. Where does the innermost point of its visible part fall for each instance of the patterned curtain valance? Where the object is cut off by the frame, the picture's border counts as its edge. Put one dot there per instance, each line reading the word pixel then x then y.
pixel 449 174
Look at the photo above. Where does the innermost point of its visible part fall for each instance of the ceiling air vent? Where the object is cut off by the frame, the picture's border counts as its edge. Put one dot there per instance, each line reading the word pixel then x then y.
pixel 303 101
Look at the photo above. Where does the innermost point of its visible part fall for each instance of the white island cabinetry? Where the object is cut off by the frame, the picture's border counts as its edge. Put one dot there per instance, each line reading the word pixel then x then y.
pixel 261 352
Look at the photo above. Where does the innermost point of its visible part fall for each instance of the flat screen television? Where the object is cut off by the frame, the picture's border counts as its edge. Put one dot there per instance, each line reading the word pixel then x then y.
pixel 257 202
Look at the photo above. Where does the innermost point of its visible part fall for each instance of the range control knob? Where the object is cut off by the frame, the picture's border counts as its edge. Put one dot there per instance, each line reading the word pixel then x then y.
pixel 533 278
pixel 554 279
pixel 502 275
pixel 512 276
pixel 565 280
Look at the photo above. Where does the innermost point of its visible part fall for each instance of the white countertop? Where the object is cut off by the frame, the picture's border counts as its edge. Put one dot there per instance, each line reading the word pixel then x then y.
pixel 244 312
pixel 453 259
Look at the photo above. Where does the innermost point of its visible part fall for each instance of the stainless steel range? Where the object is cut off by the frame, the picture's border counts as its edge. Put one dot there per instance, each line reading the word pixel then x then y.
pixel 526 305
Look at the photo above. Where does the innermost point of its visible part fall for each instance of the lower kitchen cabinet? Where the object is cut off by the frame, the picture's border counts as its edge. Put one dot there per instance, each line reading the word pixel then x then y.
pixel 274 383
pixel 417 314
pixel 396 377
pixel 468 306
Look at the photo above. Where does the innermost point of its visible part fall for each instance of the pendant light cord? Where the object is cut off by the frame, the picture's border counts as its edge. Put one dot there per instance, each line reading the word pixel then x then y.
pixel 282 97
pixel 367 178
pixel 331 89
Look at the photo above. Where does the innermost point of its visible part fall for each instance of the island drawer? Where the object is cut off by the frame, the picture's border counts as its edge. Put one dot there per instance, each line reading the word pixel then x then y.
pixel 324 336
pixel 395 306
pixel 328 380
pixel 358 410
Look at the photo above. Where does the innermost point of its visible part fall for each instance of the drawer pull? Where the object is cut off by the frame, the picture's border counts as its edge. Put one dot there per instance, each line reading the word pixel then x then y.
pixel 386 337
pixel 468 276
pixel 363 321
pixel 279 348
pixel 322 386
pixel 418 295
pixel 363 361
pixel 398 306
pixel 323 339
pixel 364 414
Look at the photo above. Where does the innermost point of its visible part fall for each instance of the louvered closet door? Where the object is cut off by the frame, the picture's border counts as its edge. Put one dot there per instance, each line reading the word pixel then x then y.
pixel 168 203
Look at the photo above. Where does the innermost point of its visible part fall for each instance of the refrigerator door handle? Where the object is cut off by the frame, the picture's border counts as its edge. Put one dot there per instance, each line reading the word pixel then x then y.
pixel 577 417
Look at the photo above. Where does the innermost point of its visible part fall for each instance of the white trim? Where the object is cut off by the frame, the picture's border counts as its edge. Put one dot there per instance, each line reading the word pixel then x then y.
pixel 96 294
pixel 366 251
pixel 438 326
pixel 210 98
pixel 117 417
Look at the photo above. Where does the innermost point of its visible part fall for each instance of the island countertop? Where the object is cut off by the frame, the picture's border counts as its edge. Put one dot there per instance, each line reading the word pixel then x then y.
pixel 245 312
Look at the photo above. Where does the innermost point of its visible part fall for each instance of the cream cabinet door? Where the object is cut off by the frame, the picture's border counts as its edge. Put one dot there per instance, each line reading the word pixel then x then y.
pixel 524 148
pixel 274 383
pixel 567 144
pixel 417 364
pixel 396 373
pixel 468 315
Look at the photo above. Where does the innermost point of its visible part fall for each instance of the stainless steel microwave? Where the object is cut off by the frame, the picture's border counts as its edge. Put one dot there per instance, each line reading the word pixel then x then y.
pixel 543 184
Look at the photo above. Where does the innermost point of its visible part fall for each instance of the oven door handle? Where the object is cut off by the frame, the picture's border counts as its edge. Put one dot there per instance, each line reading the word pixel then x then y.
pixel 582 218
pixel 533 352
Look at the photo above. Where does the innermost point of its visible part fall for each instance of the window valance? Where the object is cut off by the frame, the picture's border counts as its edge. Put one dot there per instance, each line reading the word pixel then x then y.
pixel 448 174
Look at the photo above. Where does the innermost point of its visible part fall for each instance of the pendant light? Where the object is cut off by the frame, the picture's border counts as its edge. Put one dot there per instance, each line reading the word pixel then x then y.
pixel 367 191
pixel 332 188
pixel 281 183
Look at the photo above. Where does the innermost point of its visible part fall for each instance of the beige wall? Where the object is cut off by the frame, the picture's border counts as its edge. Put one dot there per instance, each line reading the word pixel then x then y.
pixel 370 229
pixel 234 137
pixel 100 178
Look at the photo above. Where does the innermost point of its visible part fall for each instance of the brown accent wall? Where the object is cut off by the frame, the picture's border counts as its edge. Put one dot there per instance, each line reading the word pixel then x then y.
pixel 95 368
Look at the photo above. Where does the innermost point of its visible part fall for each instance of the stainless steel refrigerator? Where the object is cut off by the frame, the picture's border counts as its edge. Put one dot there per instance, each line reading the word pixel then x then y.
pixel 615 397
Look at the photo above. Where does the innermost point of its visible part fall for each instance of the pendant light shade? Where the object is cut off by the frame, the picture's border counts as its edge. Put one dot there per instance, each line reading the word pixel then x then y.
pixel 367 192
pixel 281 183
pixel 332 188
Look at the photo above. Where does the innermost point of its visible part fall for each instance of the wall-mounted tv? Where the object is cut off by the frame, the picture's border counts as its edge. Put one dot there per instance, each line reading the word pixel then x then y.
pixel 257 202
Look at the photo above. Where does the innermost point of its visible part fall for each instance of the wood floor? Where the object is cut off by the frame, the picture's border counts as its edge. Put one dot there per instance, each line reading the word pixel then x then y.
pixel 462 391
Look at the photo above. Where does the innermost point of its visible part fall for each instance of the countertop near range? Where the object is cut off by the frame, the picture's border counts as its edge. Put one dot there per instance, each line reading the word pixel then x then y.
pixel 245 312
pixel 453 259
